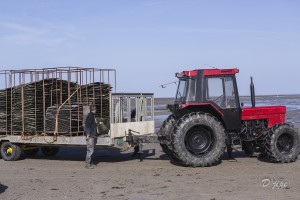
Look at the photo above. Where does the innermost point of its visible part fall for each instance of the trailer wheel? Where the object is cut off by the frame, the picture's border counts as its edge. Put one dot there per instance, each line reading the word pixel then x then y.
pixel 199 140
pixel 166 131
pixel 50 151
pixel 10 152
pixel 282 144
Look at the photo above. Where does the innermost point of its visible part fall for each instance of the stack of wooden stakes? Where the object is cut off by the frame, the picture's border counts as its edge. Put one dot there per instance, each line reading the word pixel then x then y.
pixel 41 100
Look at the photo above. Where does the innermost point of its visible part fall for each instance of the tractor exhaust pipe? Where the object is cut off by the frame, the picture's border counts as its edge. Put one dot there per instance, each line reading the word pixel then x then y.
pixel 252 91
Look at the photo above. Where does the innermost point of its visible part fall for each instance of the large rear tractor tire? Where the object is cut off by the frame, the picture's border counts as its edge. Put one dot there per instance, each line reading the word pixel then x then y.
pixel 10 152
pixel 282 144
pixel 50 151
pixel 166 132
pixel 199 140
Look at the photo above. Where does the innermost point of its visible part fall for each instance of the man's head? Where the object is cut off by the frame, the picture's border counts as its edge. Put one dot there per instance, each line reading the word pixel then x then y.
pixel 93 108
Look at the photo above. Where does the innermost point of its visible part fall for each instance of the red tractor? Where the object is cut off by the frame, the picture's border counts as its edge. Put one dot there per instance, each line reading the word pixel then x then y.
pixel 207 117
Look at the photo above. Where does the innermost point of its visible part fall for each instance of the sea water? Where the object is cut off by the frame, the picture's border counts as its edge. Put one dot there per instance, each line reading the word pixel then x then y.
pixel 292 103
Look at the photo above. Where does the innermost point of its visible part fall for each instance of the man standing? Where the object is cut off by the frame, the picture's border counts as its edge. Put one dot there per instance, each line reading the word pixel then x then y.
pixel 91 136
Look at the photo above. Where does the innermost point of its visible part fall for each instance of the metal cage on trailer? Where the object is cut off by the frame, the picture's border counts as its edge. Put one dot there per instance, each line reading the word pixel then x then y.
pixel 47 107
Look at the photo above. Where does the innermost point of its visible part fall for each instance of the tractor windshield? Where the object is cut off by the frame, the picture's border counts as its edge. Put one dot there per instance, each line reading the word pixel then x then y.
pixel 186 90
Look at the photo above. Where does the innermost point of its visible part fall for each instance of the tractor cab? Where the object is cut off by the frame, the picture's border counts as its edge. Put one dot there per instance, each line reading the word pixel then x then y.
pixel 212 91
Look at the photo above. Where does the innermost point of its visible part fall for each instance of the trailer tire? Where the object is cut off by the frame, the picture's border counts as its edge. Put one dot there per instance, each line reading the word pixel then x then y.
pixel 10 152
pixel 282 144
pixel 50 151
pixel 199 140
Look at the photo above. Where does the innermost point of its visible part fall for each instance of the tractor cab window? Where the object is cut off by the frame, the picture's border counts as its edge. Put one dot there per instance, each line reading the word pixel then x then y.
pixel 186 91
pixel 221 91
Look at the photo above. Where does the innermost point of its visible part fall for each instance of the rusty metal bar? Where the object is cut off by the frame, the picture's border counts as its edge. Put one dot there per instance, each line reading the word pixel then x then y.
pixel 35 107
pixel 60 77
pixel 101 98
pixel 14 80
pixel 6 112
pixel 69 100
pixel 81 75
pixel 86 85
pixel 101 102
pixel 22 103
pixel 44 105
pixel 93 77
pixel 56 88
pixel 77 98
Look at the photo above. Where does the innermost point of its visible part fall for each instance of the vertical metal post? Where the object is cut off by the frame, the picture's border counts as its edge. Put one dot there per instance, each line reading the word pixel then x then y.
pixel 137 110
pixel 12 121
pixel 115 81
pixel 100 93
pixel 56 88
pixel 35 108
pixel 69 94
pixel 61 87
pixel 80 82
pixel 86 86
pixel 10 102
pixel 22 102
pixel 92 79
pixel 128 109
pixel 152 107
pixel 6 96
pixel 44 103
pixel 78 104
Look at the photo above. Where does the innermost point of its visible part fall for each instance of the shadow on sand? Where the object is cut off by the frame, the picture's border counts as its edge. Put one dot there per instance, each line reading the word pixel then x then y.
pixel 100 155
pixel 111 155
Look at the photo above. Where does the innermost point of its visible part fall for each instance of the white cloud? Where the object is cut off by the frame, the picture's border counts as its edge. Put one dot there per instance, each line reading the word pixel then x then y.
pixel 37 33
pixel 21 28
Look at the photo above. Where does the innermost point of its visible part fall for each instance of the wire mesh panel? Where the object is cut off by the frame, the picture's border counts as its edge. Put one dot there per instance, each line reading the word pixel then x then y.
pixel 52 100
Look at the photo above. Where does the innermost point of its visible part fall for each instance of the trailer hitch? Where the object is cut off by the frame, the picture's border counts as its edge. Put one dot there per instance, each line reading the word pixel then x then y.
pixel 136 138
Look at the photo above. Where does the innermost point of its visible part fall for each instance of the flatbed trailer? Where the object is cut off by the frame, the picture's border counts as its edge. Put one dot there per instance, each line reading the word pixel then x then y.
pixel 46 108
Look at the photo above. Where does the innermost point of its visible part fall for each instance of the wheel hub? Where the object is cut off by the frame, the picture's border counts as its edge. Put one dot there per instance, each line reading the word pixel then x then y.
pixel 198 141
pixel 9 150
pixel 285 143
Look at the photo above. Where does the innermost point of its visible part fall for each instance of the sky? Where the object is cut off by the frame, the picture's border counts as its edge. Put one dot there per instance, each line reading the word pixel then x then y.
pixel 148 41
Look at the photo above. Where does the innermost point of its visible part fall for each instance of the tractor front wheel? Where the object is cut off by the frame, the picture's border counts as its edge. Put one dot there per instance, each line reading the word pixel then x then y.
pixel 199 140
pixel 282 144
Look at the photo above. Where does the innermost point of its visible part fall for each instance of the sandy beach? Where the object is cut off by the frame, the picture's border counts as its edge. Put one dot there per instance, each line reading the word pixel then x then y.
pixel 119 176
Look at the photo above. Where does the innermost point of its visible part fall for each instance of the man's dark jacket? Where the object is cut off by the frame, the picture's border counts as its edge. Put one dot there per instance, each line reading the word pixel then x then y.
pixel 90 125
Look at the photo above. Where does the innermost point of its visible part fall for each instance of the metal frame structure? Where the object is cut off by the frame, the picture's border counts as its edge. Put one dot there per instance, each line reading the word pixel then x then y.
pixel 76 80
